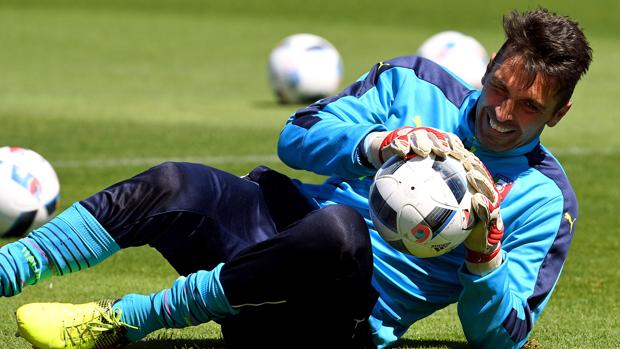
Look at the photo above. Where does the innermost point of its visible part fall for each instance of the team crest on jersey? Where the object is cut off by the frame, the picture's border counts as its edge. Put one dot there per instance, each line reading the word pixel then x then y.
pixel 468 220
pixel 503 185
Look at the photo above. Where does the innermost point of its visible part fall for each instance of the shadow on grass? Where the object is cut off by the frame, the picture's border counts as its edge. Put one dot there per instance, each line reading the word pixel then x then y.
pixel 178 344
pixel 425 343
pixel 219 344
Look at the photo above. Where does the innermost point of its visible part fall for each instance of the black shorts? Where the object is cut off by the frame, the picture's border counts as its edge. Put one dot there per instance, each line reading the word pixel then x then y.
pixel 299 275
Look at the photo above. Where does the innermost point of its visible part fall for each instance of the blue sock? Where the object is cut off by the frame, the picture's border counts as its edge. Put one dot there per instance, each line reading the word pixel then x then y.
pixel 71 241
pixel 192 300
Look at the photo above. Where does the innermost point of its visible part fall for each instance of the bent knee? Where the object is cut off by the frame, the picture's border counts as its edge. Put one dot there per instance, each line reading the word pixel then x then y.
pixel 342 227
pixel 168 176
pixel 184 177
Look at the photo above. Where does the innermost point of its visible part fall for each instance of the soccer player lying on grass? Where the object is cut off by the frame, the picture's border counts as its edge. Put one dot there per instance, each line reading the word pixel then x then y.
pixel 279 263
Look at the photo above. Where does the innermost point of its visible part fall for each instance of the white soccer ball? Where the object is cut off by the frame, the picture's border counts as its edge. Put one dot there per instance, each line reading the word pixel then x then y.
pixel 422 206
pixel 29 190
pixel 304 68
pixel 461 54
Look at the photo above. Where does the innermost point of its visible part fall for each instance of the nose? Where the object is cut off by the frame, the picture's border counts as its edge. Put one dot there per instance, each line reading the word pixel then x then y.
pixel 504 110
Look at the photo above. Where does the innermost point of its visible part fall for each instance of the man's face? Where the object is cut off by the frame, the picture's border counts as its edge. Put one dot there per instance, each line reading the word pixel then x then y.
pixel 508 114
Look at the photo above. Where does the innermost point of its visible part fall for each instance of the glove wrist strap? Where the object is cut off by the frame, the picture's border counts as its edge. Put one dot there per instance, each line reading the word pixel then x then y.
pixel 372 148
pixel 479 257
pixel 482 264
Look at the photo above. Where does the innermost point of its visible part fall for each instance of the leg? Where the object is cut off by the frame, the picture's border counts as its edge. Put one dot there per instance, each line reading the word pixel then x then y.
pixel 308 286
pixel 319 265
pixel 196 216
pixel 310 281
pixel 321 261
pixel 71 241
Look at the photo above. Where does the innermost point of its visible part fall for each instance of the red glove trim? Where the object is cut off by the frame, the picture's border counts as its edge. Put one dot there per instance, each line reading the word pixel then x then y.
pixel 391 136
pixel 477 257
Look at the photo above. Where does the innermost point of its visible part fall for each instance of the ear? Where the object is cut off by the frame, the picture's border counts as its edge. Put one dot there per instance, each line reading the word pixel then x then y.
pixel 486 73
pixel 559 114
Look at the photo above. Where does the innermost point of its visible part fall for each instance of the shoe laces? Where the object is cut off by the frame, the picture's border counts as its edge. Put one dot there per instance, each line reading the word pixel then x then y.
pixel 103 328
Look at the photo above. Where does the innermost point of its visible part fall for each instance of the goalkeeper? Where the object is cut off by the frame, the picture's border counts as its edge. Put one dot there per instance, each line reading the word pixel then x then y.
pixel 280 263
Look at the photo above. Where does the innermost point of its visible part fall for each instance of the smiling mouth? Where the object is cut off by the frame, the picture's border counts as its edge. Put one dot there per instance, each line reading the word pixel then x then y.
pixel 497 126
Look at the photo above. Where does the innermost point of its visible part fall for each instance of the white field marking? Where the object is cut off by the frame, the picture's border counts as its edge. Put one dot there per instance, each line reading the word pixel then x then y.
pixel 258 159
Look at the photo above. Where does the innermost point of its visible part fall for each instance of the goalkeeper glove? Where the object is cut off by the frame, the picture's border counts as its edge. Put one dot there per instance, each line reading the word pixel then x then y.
pixel 380 146
pixel 483 245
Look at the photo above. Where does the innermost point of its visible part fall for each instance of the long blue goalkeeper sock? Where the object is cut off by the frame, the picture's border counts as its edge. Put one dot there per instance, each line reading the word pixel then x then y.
pixel 192 300
pixel 71 241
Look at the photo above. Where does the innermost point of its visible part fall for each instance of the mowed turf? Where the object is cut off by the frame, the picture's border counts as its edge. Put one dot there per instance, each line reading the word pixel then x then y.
pixel 105 89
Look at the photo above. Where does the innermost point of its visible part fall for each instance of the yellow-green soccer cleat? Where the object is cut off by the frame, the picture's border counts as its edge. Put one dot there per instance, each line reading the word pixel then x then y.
pixel 71 326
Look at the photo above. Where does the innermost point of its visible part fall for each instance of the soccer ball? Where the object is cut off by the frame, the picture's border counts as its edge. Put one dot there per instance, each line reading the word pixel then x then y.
pixel 461 54
pixel 422 206
pixel 29 190
pixel 304 68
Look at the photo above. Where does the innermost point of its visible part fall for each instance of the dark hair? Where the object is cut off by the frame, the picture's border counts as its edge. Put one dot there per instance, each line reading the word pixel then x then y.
pixel 550 44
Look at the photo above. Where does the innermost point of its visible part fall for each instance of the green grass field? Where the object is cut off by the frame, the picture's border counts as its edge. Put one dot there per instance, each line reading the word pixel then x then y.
pixel 104 89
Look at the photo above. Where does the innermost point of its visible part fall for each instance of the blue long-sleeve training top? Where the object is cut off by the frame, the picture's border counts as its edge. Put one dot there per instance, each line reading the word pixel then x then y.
pixel 539 207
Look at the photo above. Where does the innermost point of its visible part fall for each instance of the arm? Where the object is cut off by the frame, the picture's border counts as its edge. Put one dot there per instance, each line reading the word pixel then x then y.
pixel 327 137
pixel 499 310
pixel 324 137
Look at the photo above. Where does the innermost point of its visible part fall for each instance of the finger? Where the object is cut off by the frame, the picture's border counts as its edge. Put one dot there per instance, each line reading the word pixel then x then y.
pixel 478 166
pixel 405 130
pixel 455 142
pixel 399 146
pixel 494 234
pixel 441 146
pixel 471 162
pixel 458 149
pixel 479 177
pixel 420 143
pixel 481 206
pixel 496 228
pixel 481 184
pixel 391 136
pixel 439 143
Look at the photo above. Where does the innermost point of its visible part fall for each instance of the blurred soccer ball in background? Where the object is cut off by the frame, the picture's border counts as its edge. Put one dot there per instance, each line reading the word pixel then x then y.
pixel 29 190
pixel 304 68
pixel 422 206
pixel 461 54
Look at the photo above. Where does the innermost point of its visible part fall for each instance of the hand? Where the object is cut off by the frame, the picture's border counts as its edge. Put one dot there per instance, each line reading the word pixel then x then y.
pixel 483 245
pixel 421 141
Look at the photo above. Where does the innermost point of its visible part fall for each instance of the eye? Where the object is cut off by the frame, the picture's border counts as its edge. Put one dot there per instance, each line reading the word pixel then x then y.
pixel 532 107
pixel 499 89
